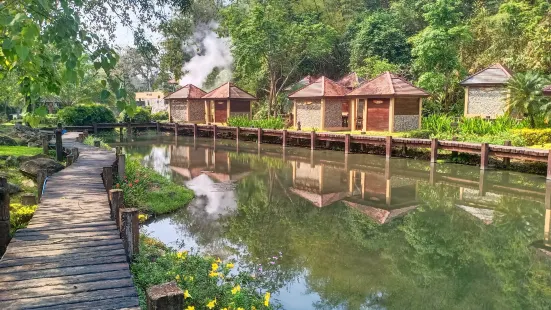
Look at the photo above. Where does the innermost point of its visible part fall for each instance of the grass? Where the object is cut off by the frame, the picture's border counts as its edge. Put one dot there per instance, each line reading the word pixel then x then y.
pixel 206 282
pixel 150 192
pixel 19 150
pixel 90 141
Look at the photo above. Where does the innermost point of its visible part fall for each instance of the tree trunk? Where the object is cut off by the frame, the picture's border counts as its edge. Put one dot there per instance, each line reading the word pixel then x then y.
pixel 271 95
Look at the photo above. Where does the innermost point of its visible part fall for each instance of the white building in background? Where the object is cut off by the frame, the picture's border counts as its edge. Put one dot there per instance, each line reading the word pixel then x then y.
pixel 154 100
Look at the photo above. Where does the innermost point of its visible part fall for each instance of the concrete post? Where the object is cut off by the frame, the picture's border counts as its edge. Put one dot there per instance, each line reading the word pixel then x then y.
pixel 506 160
pixel 108 178
pixel 58 145
pixel 122 165
pixel 45 144
pixel 485 155
pixel 116 197
pixel 347 143
pixel 284 138
pixel 28 199
pixel 166 296
pixel 388 147
pixel 130 232
pixel 433 150
pixel 40 179
pixel 259 135
pixel 4 214
pixel 70 159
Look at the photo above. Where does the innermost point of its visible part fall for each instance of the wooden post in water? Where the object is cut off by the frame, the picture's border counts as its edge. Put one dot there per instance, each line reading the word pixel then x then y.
pixel 347 143
pixel 259 134
pixel 284 138
pixel 176 129
pixel 45 144
pixel 237 133
pixel 432 174
pixel 130 232
pixel 121 162
pixel 117 199
pixel 484 155
pixel 58 143
pixel 40 179
pixel 312 140
pixel 95 128
pixel 166 296
pixel 214 132
pixel 121 135
pixel 128 130
pixel 158 127
pixel 454 153
pixel 433 150
pixel 108 178
pixel 388 149
pixel 507 160
pixel 195 131
pixel 70 159
pixel 4 214
pixel 482 183
pixel 549 166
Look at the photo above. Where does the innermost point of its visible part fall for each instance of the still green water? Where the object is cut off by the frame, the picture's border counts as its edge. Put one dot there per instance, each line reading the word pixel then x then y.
pixel 328 232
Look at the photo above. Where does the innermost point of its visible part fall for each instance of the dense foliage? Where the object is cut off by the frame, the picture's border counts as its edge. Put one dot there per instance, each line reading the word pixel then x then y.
pixel 267 123
pixel 86 114
pixel 142 115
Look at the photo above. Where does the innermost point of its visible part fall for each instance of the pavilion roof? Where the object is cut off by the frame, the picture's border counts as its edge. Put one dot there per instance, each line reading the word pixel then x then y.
pixel 322 87
pixel 350 80
pixel 189 91
pixel 496 74
pixel 547 90
pixel 388 84
pixel 229 91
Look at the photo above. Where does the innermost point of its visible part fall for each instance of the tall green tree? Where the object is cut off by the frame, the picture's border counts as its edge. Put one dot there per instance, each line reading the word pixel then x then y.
pixel 526 97
pixel 270 41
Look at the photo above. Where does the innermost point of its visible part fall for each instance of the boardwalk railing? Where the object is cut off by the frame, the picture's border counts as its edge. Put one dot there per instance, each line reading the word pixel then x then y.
pixel 315 139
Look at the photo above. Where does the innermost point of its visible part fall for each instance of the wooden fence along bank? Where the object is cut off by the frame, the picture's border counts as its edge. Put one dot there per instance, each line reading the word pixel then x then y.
pixel 315 139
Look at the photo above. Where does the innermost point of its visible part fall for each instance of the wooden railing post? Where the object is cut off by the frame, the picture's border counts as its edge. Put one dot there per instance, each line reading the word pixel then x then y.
pixel 347 143
pixel 121 135
pixel 388 146
pixel 108 178
pixel 284 138
pixel 70 159
pixel 116 198
pixel 128 129
pixel 45 144
pixel 176 129
pixel 214 132
pixel 312 140
pixel 40 179
pixel 237 133
pixel 454 153
pixel 166 296
pixel 85 133
pixel 97 143
pixel 28 199
pixel 507 160
pixel 259 134
pixel 121 162
pixel 4 214
pixel 58 144
pixel 195 130
pixel 433 150
pixel 130 232
pixel 95 128
pixel 484 155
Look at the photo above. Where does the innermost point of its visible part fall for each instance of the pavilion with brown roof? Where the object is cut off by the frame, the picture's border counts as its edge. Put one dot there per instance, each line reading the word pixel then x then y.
pixel 387 103
pixel 486 92
pixel 319 105
pixel 226 101
pixel 186 105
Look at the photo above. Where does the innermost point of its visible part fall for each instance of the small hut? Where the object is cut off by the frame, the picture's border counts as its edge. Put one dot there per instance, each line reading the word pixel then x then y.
pixel 186 105
pixel 547 90
pixel 319 105
pixel 350 81
pixel 154 100
pixel 486 92
pixel 387 103
pixel 307 80
pixel 226 101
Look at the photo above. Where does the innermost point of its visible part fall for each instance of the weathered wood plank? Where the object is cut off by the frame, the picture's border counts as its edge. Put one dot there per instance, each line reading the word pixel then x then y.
pixel 89 250
pixel 112 234
pixel 70 230
pixel 122 303
pixel 58 258
pixel 63 246
pixel 55 270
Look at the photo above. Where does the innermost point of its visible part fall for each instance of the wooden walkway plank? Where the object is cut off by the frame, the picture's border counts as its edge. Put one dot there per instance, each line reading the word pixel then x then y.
pixel 70 256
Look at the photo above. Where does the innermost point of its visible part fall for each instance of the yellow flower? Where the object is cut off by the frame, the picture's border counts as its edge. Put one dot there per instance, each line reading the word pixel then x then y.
pixel 214 266
pixel 142 218
pixel 181 255
pixel 211 304
pixel 190 308
pixel 229 265
pixel 187 294
pixel 177 277
pixel 218 260
pixel 236 289
pixel 213 274
pixel 253 308
pixel 267 299
pixel 240 308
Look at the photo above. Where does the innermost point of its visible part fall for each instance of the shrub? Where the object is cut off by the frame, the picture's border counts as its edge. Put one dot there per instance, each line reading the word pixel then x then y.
pixel 268 123
pixel 86 114
pixel 142 115
pixel 437 123
pixel 159 116
pixel 533 136
pixel 419 134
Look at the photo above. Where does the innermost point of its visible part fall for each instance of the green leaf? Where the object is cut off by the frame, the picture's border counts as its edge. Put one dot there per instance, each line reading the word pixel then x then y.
pixel 7 44
pixel 103 83
pixel 41 111
pixel 121 105
pixel 70 76
pixel 104 94
pixel 30 32
pixel 22 52
pixel 121 93
pixel 97 65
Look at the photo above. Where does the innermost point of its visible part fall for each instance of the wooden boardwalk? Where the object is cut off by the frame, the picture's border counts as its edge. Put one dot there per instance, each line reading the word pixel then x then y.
pixel 70 256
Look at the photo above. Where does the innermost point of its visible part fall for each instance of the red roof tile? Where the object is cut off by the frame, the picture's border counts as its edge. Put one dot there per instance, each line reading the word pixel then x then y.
pixel 350 81
pixel 496 74
pixel 388 84
pixel 189 91
pixel 229 91
pixel 322 87
pixel 547 90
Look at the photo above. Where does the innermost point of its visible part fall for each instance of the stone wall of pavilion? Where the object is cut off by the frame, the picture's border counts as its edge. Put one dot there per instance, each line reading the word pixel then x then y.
pixel 486 101
pixel 309 113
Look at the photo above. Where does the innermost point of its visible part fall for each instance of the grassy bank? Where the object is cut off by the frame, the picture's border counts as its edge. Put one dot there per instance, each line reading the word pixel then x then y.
pixel 150 192
pixel 19 151
pixel 208 283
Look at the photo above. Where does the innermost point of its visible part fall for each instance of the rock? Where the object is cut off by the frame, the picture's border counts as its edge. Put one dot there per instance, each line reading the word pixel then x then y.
pixel 13 188
pixel 28 183
pixel 31 167
pixel 4 140
pixel 12 161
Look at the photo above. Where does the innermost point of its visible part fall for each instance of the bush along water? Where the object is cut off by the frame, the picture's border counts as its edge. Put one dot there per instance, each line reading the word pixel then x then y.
pixel 86 114
pixel 207 282
pixel 150 192
pixel 142 115
pixel 268 123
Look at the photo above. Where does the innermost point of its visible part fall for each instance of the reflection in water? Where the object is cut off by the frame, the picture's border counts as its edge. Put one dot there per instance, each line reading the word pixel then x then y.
pixel 361 232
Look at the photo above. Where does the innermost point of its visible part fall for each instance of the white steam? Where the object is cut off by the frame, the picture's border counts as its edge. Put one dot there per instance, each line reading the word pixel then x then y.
pixel 209 52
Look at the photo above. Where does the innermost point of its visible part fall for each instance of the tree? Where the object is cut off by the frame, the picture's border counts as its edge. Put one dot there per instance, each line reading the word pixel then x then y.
pixel 137 71
pixel 270 41
pixel 526 97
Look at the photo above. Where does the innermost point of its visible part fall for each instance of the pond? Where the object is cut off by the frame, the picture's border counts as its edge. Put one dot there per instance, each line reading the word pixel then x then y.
pixel 325 231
